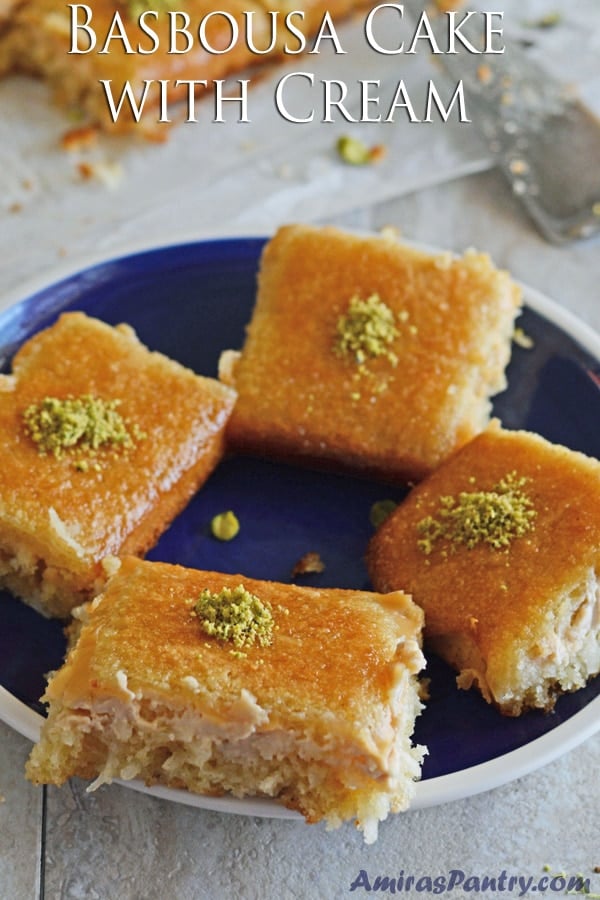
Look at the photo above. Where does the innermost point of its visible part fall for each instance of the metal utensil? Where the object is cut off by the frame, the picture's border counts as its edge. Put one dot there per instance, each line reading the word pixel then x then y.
pixel 542 137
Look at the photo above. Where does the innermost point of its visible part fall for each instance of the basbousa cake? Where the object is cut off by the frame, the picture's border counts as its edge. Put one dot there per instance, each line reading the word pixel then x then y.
pixel 257 688
pixel 123 66
pixel 370 356
pixel 501 549
pixel 103 442
pixel 110 71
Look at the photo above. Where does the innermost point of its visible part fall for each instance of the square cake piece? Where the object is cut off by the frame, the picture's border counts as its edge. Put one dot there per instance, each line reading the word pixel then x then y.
pixel 367 355
pixel 102 442
pixel 36 37
pixel 501 549
pixel 219 683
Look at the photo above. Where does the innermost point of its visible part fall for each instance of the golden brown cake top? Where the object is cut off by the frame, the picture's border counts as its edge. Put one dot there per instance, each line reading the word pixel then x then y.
pixel 332 663
pixel 91 503
pixel 494 593
pixel 38 40
pixel 150 57
pixel 424 390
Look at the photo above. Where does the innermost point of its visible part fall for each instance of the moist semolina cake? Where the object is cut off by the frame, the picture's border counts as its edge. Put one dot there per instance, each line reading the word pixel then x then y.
pixel 501 549
pixel 36 38
pixel 367 355
pixel 219 683
pixel 102 442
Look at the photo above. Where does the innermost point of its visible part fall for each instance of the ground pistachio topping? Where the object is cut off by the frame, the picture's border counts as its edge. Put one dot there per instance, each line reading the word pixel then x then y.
pixel 356 153
pixel 235 615
pixel 548 20
pixel 366 330
pixel 135 8
pixel 78 425
pixel 380 511
pixel 353 151
pixel 225 526
pixel 493 517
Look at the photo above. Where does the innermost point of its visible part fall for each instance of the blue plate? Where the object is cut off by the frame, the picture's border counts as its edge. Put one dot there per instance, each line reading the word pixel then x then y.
pixel 192 301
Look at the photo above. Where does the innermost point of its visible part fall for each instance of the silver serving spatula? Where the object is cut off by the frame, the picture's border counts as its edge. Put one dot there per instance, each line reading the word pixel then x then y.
pixel 542 137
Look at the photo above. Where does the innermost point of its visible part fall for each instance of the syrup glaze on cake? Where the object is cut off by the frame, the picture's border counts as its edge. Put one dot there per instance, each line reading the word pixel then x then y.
pixel 60 515
pixel 394 402
pixel 315 715
pixel 519 618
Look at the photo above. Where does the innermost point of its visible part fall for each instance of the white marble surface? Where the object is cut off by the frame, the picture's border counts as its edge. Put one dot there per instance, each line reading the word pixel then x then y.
pixel 119 845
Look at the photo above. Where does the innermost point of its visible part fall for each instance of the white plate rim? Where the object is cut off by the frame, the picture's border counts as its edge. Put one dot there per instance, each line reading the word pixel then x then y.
pixel 434 791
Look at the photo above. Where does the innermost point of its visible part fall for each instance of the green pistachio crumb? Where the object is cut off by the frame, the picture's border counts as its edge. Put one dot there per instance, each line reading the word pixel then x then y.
pixel 493 517
pixel 548 20
pixel 80 426
pixel 353 151
pixel 380 511
pixel 225 526
pixel 366 330
pixel 356 153
pixel 136 7
pixel 235 615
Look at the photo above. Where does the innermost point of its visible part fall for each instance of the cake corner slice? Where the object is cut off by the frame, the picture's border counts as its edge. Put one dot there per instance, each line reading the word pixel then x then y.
pixel 501 549
pixel 369 355
pixel 103 442
pixel 285 698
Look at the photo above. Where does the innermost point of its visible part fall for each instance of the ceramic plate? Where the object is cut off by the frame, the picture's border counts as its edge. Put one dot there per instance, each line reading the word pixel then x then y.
pixel 191 301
